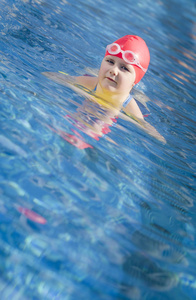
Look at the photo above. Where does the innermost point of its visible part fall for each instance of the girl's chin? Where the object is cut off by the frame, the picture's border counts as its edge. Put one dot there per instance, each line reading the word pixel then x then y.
pixel 109 86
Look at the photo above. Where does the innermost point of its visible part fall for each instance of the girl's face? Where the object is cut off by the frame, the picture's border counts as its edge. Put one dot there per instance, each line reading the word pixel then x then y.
pixel 116 76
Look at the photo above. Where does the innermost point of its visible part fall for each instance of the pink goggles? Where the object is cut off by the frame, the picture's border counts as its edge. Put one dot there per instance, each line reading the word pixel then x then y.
pixel 127 55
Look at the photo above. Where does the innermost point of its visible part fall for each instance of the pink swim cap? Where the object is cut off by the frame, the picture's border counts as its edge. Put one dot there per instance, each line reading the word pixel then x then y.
pixel 138 46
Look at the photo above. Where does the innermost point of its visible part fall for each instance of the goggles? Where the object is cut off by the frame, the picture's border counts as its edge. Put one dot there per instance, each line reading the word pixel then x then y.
pixel 127 55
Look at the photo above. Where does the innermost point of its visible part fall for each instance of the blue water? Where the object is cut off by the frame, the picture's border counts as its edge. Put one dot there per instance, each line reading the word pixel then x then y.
pixel 115 220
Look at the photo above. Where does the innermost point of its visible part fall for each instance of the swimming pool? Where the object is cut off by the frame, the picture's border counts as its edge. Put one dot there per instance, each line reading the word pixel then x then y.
pixel 82 218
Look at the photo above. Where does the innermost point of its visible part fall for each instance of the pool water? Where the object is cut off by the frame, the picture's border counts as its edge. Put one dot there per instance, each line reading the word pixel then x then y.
pixel 106 218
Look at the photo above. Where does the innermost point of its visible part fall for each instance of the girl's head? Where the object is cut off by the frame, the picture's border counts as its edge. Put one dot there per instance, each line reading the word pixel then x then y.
pixel 134 51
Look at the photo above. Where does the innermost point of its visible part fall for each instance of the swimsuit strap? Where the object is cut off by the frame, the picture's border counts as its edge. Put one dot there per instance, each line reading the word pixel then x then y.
pixel 94 90
pixel 127 100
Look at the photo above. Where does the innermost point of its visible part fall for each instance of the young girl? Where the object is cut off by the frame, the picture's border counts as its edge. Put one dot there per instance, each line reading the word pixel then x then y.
pixel 124 64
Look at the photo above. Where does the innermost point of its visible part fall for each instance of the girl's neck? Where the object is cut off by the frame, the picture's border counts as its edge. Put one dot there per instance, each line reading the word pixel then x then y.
pixel 114 99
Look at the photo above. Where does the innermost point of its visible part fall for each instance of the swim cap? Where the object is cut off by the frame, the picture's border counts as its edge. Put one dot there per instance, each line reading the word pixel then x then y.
pixel 138 46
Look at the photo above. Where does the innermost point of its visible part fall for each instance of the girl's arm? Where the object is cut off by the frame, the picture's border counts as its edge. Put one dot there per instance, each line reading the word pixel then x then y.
pixel 133 109
pixel 88 82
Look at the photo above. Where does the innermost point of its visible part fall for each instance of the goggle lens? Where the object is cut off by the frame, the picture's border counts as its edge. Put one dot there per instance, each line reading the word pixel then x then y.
pixel 113 48
pixel 129 56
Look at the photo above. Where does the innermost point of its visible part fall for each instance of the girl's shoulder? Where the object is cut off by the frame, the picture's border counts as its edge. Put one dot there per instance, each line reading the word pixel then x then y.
pixel 88 81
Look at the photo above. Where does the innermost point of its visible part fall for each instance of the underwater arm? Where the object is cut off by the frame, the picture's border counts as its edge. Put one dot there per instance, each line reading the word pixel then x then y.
pixel 153 132
pixel 141 123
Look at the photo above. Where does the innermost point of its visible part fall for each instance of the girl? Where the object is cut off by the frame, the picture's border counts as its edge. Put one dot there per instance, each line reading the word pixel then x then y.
pixel 124 64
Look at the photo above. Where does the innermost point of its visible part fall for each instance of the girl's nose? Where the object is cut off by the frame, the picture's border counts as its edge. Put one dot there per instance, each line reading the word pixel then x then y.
pixel 114 71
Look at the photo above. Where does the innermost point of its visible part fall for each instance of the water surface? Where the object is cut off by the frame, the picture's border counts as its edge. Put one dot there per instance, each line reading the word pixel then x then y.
pixel 86 218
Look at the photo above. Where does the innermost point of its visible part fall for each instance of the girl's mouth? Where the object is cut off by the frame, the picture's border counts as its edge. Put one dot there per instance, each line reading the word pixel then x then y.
pixel 111 79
